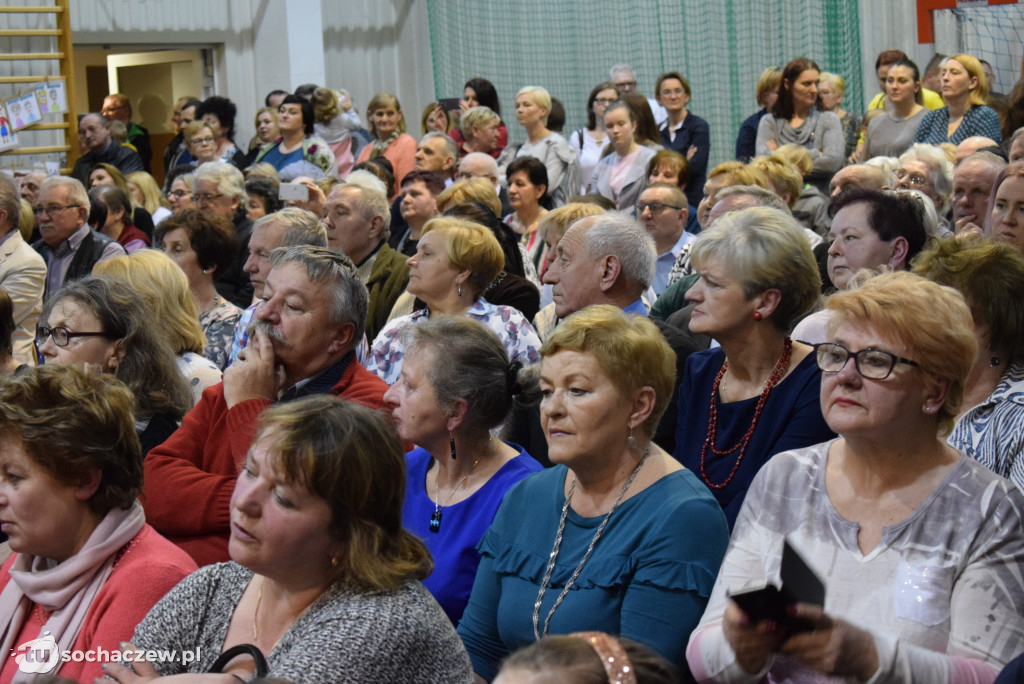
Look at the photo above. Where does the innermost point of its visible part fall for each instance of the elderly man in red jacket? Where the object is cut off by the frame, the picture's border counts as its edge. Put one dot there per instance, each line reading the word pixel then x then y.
pixel 301 343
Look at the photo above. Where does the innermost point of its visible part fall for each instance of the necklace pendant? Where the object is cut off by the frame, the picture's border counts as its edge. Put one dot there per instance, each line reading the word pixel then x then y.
pixel 435 522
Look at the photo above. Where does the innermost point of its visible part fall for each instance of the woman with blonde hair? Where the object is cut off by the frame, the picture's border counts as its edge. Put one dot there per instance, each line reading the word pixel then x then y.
pixel 455 262
pixel 722 176
pixel 766 92
pixel 477 189
pixel 164 286
pixel 386 124
pixel 596 541
pixel 965 91
pixel 533 104
pixel 266 132
pixel 146 193
pixel 918 547
pixel 831 88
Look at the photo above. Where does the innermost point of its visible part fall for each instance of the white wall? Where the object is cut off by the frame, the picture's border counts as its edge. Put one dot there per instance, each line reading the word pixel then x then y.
pixel 368 44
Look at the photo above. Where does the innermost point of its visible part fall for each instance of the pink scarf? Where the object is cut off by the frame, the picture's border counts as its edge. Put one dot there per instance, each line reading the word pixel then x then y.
pixel 66 590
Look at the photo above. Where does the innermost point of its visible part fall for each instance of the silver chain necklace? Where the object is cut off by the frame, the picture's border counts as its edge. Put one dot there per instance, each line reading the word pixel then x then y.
pixel 558 544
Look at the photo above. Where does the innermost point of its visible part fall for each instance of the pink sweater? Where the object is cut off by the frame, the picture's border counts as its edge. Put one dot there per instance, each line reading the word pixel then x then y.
pixel 146 568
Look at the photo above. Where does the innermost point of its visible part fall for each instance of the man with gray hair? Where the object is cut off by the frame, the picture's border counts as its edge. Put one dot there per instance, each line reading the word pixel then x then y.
pixel 284 228
pixel 22 275
pixel 624 78
pixel 437 153
pixel 69 247
pixel 972 183
pixel 301 343
pixel 94 136
pixel 358 222
pixel 606 259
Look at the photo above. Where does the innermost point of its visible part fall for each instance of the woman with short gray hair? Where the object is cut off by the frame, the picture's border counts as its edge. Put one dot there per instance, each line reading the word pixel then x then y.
pixel 757 394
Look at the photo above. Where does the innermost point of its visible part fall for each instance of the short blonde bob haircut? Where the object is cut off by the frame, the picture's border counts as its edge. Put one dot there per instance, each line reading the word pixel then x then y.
pixel 631 351
pixel 556 222
pixel 350 457
pixel 979 96
pixel 540 96
pixel 477 116
pixel 783 176
pixel 470 190
pixel 765 249
pixel 739 174
pixel 932 321
pixel 152 198
pixel 769 80
pixel 837 81
pixel 471 247
pixel 163 285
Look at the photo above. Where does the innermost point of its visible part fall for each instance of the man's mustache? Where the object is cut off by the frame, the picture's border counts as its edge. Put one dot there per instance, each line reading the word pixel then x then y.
pixel 270 331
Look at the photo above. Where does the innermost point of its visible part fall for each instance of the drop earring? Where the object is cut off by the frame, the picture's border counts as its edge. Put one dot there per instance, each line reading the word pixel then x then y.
pixel 451 443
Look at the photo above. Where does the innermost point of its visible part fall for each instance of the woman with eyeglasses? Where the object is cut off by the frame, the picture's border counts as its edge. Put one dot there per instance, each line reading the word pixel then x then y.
pixel 100 321
pixel 201 140
pixel 919 547
pixel 179 196
pixel 683 131
pixel 926 168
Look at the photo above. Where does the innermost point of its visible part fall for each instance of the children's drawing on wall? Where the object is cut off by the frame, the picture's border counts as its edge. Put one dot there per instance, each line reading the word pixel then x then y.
pixel 7 137
pixel 56 96
pixel 17 119
pixel 30 109
pixel 42 103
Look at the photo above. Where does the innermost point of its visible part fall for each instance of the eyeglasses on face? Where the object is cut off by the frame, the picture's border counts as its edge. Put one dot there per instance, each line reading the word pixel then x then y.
pixel 178 194
pixel 655 207
pixel 873 364
pixel 913 179
pixel 205 198
pixel 51 209
pixel 605 100
pixel 203 141
pixel 62 336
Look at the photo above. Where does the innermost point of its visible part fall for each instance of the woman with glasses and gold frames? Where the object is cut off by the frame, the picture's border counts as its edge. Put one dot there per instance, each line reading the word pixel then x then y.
pixel 100 321
pixel 918 546
pixel 926 168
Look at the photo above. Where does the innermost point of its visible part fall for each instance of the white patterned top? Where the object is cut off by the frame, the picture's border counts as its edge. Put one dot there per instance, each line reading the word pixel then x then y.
pixel 992 432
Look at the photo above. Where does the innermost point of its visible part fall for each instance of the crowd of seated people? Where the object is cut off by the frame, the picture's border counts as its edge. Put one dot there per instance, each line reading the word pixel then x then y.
pixel 494 404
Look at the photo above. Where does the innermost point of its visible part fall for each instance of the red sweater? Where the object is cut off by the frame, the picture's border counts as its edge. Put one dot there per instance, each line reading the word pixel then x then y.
pixel 147 568
pixel 191 476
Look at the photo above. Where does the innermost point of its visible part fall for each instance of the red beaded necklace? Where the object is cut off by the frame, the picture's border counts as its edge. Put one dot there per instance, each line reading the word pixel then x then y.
pixel 773 379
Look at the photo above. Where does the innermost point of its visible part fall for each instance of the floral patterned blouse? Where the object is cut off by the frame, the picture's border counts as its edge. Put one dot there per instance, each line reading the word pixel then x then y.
pixel 218 325
pixel 516 333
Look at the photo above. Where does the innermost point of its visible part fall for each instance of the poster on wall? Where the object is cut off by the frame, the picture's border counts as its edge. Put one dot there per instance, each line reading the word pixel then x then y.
pixel 23 111
pixel 8 139
pixel 56 97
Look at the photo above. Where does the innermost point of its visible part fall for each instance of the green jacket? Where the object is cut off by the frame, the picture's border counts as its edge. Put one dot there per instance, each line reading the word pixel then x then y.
pixel 388 279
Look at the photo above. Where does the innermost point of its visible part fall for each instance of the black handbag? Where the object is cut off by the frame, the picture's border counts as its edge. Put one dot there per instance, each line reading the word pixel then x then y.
pixel 262 669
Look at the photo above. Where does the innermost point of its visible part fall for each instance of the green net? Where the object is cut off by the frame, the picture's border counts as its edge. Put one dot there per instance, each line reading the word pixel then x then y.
pixel 568 46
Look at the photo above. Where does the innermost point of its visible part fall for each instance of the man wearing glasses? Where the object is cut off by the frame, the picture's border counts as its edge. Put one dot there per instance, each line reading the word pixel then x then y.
pixel 94 136
pixel 663 211
pixel 69 247
pixel 117 107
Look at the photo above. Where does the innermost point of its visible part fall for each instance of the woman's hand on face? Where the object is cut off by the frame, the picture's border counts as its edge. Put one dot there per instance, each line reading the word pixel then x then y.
pixel 752 643
pixel 772 145
pixel 834 647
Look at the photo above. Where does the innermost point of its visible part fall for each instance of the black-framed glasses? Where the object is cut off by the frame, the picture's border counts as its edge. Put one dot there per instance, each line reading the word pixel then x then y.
pixel 179 193
pixel 205 198
pixel 605 100
pixel 655 207
pixel 51 209
pixel 873 364
pixel 62 336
